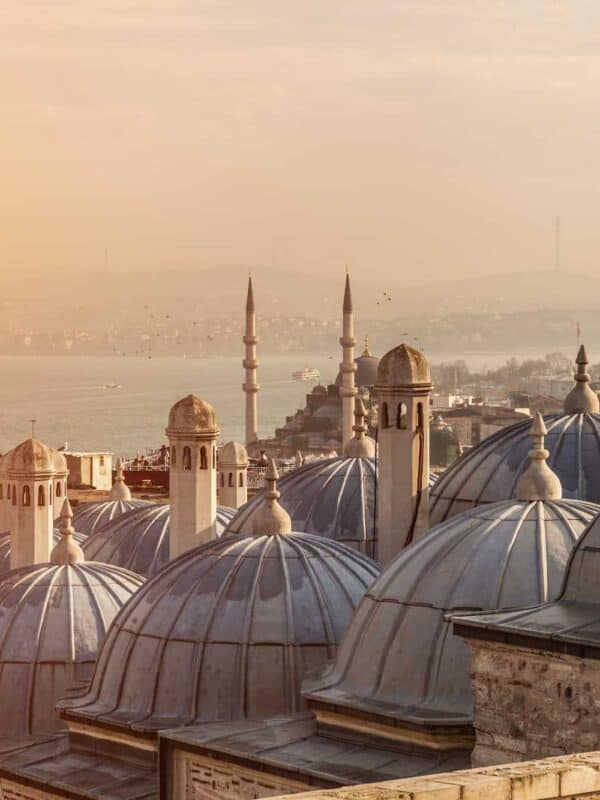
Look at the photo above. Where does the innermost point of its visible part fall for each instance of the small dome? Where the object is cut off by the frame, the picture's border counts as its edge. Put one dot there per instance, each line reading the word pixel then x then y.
pixel 320 389
pixel 60 463
pixel 226 631
pixel 5 548
pixel 403 366
pixel 332 497
pixel 329 411
pixel 399 657
pixel 31 456
pixel 192 415
pixel 52 621
pixel 233 454
pixel 139 540
pixel 490 471
pixel 88 517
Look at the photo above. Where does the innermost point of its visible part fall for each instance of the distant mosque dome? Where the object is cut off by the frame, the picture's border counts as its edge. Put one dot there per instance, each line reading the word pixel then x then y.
pixel 399 657
pixel 262 611
pixel 88 517
pixel 139 540
pixel 490 471
pixel 366 369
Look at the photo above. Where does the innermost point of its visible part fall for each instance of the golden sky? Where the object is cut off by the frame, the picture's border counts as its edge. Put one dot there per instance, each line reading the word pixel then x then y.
pixel 411 138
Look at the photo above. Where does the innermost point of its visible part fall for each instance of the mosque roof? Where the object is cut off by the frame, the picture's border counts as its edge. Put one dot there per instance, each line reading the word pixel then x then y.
pixel 225 631
pixel 139 540
pixel 89 517
pixel 52 621
pixel 192 415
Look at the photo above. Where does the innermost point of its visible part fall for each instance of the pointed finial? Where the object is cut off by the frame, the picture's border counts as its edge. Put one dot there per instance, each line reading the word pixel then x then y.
pixel 119 489
pixel 271 517
pixel 366 351
pixel 66 551
pixel 360 446
pixel 347 295
pixel 538 482
pixel 250 297
pixel 582 398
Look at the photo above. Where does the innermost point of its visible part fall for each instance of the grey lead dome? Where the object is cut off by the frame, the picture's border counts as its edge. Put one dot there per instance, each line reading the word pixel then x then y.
pixel 226 631
pixel 88 517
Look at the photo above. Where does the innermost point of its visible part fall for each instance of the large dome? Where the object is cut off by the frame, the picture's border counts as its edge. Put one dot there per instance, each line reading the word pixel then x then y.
pixel 139 540
pixel 490 471
pixel 399 657
pixel 52 621
pixel 5 548
pixel 226 631
pixel 366 370
pixel 88 517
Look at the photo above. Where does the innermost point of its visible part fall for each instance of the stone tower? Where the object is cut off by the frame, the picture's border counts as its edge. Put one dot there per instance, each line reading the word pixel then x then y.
pixel 250 364
pixel 192 432
pixel 347 367
pixel 30 474
pixel 233 475
pixel 403 390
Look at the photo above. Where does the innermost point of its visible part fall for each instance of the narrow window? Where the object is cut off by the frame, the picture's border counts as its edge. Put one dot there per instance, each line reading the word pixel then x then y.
pixel 385 423
pixel 231 479
pixel 41 496
pixel 1 491
pixel 26 499
pixel 14 495
pixel 401 416
pixel 187 459
pixel 222 479
pixel 241 480
pixel 101 461
pixel 8 492
pixel 58 489
pixel 420 423
pixel 203 459
pixel 173 456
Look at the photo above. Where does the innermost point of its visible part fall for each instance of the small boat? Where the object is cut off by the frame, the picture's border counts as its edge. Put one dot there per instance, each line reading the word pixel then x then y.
pixel 112 386
pixel 306 374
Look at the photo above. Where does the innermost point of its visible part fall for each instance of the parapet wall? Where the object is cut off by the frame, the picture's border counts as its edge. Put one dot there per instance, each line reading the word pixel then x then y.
pixel 575 776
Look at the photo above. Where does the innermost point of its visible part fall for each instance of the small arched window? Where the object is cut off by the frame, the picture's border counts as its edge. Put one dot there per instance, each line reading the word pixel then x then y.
pixel 385 422
pixel 173 456
pixel 231 479
pixel 401 416
pixel 8 492
pixel 14 495
pixel 203 458
pixel 26 499
pixel 58 489
pixel 241 480
pixel 222 479
pixel 420 422
pixel 42 496
pixel 187 459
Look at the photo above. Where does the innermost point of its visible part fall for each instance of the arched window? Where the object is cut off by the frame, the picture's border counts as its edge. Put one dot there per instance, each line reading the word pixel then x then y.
pixel 1 491
pixel 231 479
pixel 14 495
pixel 8 492
pixel 187 459
pixel 222 479
pixel 173 456
pixel 26 499
pixel 203 458
pixel 42 496
pixel 385 423
pixel 420 417
pixel 58 489
pixel 401 421
pixel 241 480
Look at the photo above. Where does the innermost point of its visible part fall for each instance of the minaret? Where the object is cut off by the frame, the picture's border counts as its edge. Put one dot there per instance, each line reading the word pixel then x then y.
pixel 233 475
pixel 250 364
pixel 538 482
pixel 403 390
pixel 66 551
pixel 582 398
pixel 347 367
pixel 271 518
pixel 119 490
pixel 361 446
pixel 192 432
pixel 30 472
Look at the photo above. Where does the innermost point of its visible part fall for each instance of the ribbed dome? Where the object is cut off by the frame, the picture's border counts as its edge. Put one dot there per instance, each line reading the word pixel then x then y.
pixel 139 540
pixel 403 366
pixel 88 517
pixel 5 548
pixel 490 471
pixel 226 631
pixel 233 454
pixel 192 415
pixel 31 456
pixel 52 621
pixel 399 657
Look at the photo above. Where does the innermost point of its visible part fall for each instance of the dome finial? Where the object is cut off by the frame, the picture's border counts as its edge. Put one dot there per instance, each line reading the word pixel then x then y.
pixel 582 399
pixel 366 351
pixel 538 482
pixel 119 489
pixel 360 446
pixel 67 551
pixel 272 517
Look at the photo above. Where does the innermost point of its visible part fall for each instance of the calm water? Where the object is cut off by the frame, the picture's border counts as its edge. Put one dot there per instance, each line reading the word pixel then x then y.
pixel 66 396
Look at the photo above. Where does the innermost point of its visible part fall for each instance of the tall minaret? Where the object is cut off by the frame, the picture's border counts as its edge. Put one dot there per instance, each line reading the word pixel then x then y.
pixel 250 364
pixel 192 432
pixel 347 367
pixel 403 390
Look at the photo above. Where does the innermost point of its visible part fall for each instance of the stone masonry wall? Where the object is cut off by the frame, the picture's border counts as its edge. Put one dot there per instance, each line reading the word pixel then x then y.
pixel 531 704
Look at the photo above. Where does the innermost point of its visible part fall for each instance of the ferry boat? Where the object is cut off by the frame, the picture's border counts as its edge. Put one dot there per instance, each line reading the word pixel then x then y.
pixel 306 374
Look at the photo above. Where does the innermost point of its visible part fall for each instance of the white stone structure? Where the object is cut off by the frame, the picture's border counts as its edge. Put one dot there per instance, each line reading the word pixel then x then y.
pixel 403 390
pixel 119 489
pixel 61 475
pixel 30 474
pixel 90 469
pixel 348 366
pixel 233 475
pixel 192 432
pixel 250 364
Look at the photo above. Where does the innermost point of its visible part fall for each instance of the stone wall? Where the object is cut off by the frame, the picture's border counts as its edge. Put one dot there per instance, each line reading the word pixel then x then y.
pixel 531 704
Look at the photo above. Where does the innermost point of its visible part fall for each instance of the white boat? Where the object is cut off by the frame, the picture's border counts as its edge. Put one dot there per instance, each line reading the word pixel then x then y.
pixel 306 374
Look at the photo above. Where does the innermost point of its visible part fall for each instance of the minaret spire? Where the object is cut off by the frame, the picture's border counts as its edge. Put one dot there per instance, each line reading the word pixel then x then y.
pixel 250 364
pixel 538 482
pixel 272 518
pixel 361 446
pixel 66 551
pixel 119 489
pixel 582 398
pixel 347 367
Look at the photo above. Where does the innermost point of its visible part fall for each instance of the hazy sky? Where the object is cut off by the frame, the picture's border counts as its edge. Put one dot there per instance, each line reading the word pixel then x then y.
pixel 417 138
